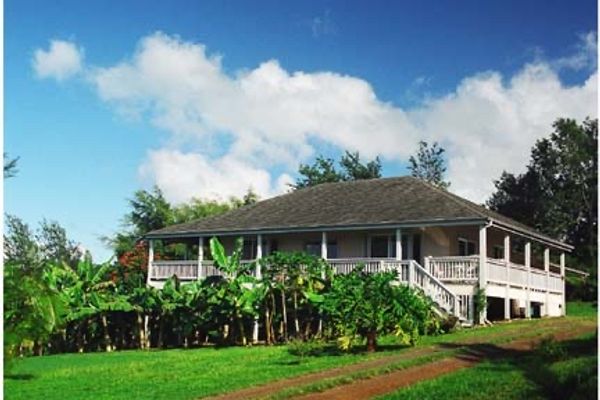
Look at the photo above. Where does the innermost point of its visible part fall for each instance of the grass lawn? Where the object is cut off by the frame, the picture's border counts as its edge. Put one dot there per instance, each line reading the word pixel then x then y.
pixel 188 374
pixel 571 376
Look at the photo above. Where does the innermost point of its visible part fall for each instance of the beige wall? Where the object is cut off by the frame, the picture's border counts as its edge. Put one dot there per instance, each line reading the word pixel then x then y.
pixel 435 241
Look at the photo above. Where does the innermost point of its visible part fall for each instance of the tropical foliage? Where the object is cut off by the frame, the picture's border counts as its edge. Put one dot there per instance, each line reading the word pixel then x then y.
pixel 367 305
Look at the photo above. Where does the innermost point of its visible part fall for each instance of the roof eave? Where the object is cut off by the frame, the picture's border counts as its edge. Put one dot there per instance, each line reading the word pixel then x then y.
pixel 531 234
pixel 317 228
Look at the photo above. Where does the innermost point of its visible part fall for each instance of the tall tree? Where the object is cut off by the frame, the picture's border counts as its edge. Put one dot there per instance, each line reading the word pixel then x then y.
pixel 429 164
pixel 10 166
pixel 558 193
pixel 323 170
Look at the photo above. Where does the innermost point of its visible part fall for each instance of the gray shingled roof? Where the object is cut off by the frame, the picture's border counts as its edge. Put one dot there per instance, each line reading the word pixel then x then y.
pixel 364 203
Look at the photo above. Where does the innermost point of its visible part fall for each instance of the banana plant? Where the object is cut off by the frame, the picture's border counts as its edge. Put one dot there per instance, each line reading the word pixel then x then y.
pixel 238 293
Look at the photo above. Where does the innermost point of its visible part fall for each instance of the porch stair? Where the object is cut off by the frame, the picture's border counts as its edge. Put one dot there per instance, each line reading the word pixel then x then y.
pixel 410 272
pixel 446 302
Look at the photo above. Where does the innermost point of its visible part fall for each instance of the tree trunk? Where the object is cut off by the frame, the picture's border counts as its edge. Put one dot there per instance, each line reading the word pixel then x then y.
pixel 296 321
pixel 146 331
pixel 284 316
pixel 242 331
pixel 267 324
pixel 80 341
pixel 141 331
pixel 371 341
pixel 107 340
pixel 161 331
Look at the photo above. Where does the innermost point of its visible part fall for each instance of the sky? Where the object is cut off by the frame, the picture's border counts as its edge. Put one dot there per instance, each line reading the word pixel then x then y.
pixel 207 99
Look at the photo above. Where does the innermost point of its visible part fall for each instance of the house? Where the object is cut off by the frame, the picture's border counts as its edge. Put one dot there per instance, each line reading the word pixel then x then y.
pixel 437 241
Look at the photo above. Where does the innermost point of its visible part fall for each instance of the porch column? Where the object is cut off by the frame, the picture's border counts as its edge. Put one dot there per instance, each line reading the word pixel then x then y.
pixel 507 265
pixel 562 274
pixel 398 244
pixel 482 263
pixel 259 252
pixel 528 291
pixel 324 245
pixel 258 275
pixel 200 257
pixel 547 269
pixel 150 260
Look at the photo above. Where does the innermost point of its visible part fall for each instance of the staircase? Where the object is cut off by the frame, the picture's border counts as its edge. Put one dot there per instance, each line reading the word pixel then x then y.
pixel 445 300
pixel 412 273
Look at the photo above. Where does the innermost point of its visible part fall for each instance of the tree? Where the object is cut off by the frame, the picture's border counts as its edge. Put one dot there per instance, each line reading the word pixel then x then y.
pixel 324 171
pixel 10 166
pixel 558 193
pixel 429 165
pixel 370 304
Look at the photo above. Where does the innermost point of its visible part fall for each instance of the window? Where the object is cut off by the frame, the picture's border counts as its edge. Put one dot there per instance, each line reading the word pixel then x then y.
pixel 499 252
pixel 466 247
pixel 314 248
pixel 380 246
pixel 416 249
pixel 249 249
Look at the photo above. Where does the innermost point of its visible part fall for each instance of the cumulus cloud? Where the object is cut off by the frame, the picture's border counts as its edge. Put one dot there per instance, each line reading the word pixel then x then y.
pixel 185 175
pixel 266 118
pixel 61 61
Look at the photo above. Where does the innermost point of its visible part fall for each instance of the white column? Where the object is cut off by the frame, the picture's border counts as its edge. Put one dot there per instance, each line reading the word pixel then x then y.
pixel 258 275
pixel 482 263
pixel 507 265
pixel 547 269
pixel 562 274
pixel 398 244
pixel 200 256
pixel 259 252
pixel 324 245
pixel 150 260
pixel 528 292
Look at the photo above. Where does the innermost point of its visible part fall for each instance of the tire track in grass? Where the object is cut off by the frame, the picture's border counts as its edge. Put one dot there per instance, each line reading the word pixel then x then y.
pixel 272 388
pixel 383 384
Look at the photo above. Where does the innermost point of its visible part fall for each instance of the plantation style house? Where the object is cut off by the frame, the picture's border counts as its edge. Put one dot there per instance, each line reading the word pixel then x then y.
pixel 441 243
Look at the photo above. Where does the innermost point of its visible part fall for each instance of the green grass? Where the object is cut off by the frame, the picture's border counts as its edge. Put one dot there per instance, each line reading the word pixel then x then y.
pixel 188 374
pixel 534 376
pixel 582 309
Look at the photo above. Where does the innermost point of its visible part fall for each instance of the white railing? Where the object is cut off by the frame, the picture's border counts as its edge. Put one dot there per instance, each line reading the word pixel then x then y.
pixel 371 265
pixel 518 276
pixel 435 289
pixel 182 269
pixel 454 268
pixel 186 269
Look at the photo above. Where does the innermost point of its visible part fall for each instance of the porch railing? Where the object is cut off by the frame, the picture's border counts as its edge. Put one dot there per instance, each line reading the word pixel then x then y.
pixel 453 268
pixel 466 269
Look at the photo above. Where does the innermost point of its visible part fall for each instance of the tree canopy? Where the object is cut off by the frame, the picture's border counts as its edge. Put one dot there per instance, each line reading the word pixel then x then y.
pixel 429 164
pixel 558 192
pixel 323 170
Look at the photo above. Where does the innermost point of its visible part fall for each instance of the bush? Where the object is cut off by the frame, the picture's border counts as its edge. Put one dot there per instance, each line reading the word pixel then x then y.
pixel 304 348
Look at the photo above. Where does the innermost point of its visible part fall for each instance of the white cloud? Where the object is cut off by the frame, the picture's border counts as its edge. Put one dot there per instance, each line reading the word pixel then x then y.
pixel 185 175
pixel 584 56
pixel 264 119
pixel 62 60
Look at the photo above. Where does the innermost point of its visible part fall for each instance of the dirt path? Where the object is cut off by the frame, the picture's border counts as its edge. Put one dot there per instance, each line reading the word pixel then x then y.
pixel 382 384
pixel 278 386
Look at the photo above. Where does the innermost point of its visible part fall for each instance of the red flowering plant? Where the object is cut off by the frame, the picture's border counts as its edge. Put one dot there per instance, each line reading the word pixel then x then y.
pixel 133 264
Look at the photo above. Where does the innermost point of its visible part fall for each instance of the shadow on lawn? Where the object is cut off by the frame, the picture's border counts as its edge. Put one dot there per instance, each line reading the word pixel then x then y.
pixel 19 377
pixel 558 370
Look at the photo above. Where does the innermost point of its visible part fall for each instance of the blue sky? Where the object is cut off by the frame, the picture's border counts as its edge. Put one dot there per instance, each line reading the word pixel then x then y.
pixel 303 77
